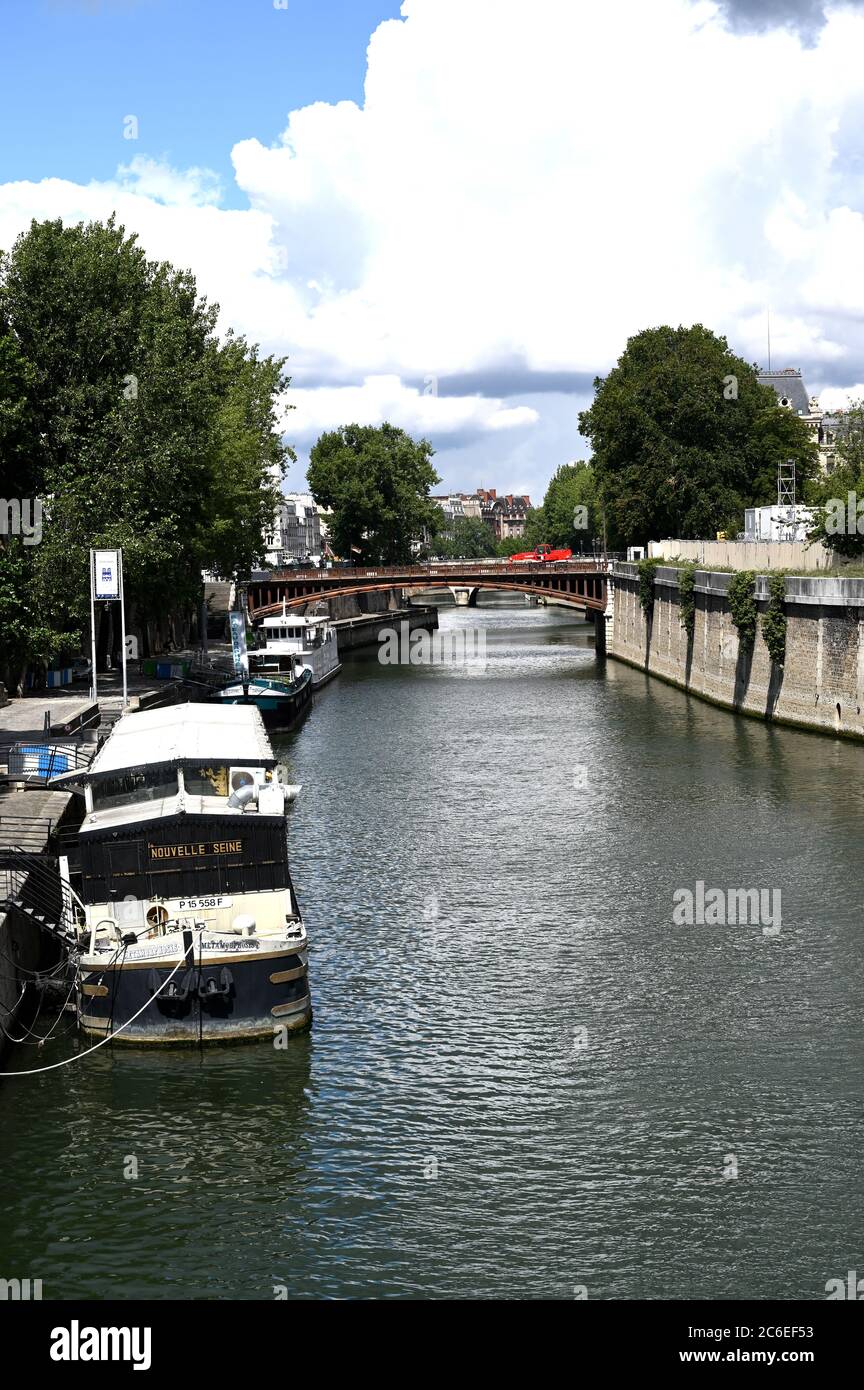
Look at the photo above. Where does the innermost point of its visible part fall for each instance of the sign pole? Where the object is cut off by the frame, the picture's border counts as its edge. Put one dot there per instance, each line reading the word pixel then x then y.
pixel 93 623
pixel 122 627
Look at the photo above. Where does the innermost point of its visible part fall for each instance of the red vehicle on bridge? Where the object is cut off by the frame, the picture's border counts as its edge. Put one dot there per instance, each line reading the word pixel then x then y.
pixel 542 554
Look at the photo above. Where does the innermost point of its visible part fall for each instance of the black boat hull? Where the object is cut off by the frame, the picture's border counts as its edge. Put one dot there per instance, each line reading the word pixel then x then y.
pixel 222 999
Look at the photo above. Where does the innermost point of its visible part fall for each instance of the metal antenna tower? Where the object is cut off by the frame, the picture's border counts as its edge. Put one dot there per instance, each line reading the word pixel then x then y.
pixel 786 483
pixel 786 496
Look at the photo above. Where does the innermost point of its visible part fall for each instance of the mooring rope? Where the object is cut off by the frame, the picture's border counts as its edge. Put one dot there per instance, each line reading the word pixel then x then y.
pixel 78 1056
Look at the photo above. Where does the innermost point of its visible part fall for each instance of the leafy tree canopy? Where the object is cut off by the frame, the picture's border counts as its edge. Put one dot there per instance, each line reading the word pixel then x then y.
pixel 377 479
pixel 684 437
pixel 121 409
pixel 570 508
pixel 839 498
pixel 472 540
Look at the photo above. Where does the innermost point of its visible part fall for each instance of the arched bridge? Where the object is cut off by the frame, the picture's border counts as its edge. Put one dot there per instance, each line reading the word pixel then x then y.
pixel 581 583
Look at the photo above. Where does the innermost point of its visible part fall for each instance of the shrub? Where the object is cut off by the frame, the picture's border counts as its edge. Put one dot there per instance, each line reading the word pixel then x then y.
pixel 687 597
pixel 647 570
pixel 774 620
pixel 742 606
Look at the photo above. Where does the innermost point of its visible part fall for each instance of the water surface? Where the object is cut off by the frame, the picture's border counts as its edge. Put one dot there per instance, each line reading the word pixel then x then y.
pixel 522 1077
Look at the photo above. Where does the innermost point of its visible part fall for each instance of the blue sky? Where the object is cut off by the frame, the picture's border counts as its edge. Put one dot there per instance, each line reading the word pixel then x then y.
pixel 198 74
pixel 452 214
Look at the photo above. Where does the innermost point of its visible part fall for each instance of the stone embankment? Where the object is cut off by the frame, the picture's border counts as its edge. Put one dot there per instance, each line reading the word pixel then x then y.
pixel 821 682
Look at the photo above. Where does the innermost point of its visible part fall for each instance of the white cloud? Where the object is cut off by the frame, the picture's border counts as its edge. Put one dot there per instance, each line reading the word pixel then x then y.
pixel 154 178
pixel 523 188
pixel 386 397
pixel 833 399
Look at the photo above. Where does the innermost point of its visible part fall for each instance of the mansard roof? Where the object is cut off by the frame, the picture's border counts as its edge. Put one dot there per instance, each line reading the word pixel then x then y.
pixel 789 386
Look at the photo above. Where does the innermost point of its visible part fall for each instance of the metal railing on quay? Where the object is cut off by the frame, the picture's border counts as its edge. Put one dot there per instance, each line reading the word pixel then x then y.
pixel 36 762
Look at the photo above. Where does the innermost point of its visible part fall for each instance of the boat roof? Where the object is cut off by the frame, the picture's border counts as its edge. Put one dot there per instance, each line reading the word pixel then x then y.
pixel 205 734
pixel 309 619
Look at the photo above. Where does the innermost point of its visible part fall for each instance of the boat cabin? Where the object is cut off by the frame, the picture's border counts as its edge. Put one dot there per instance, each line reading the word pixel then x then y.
pixel 295 632
pixel 182 802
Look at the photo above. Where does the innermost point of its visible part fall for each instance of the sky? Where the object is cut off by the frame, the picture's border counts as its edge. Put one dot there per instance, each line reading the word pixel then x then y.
pixel 451 214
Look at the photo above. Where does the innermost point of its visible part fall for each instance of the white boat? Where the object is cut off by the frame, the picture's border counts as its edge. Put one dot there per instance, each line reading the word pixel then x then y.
pixel 191 929
pixel 296 636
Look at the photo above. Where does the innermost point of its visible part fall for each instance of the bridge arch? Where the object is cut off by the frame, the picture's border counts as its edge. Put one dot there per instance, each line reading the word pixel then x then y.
pixel 577 584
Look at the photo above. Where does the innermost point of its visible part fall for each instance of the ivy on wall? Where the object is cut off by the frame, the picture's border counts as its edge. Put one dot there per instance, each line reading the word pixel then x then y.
pixel 687 597
pixel 741 595
pixel 774 619
pixel 647 569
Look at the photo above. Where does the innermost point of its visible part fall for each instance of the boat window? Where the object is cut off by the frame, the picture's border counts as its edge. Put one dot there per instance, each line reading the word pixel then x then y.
pixel 206 781
pixel 133 788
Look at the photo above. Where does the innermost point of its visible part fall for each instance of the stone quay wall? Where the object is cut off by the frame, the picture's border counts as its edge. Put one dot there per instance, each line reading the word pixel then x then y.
pixel 821 683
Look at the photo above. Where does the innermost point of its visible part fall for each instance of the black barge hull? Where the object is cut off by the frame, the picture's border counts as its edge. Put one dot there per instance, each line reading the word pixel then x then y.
pixel 224 999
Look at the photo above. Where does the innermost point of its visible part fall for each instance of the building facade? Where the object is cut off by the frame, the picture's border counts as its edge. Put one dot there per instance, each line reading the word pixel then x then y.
pixel 825 429
pixel 296 531
pixel 505 515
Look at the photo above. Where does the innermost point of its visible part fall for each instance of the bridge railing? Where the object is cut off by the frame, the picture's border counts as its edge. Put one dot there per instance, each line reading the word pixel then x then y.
pixel 435 570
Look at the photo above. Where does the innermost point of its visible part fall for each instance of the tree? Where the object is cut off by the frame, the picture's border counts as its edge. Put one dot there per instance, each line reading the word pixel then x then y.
pixel 839 498
pixel 535 528
pixel 377 481
pixel 511 545
pixel 570 510
pixel 145 432
pixel 18 484
pixel 248 456
pixel 684 437
pixel 472 540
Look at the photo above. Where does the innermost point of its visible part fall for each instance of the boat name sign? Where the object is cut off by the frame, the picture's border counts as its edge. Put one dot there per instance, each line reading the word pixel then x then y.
pixel 194 851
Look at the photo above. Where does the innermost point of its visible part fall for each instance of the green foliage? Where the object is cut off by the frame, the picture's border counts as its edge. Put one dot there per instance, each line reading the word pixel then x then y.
pixel 24 633
pixel 570 498
pixel 377 480
pixel 774 619
pixel 512 545
pixel 472 540
pixel 830 495
pixel 684 437
pixel 687 597
pixel 19 437
pixel 742 606
pixel 535 533
pixel 647 569
pixel 119 406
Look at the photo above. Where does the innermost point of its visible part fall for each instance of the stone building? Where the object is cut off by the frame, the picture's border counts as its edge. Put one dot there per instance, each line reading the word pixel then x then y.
pixel 504 515
pixel 296 532
pixel 824 428
pixel 508 515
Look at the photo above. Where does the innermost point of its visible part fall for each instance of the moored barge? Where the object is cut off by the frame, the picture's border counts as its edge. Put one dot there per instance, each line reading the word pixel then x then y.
pixel 310 638
pixel 281 702
pixel 192 929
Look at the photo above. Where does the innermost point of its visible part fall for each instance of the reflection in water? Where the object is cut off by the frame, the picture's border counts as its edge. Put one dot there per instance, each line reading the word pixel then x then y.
pixel 522 1077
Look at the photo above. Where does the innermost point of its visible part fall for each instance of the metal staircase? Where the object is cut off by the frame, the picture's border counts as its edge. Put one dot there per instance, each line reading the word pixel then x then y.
pixel 34 886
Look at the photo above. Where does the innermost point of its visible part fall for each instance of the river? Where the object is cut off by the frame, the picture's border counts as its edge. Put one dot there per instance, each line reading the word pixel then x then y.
pixel 524 1080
